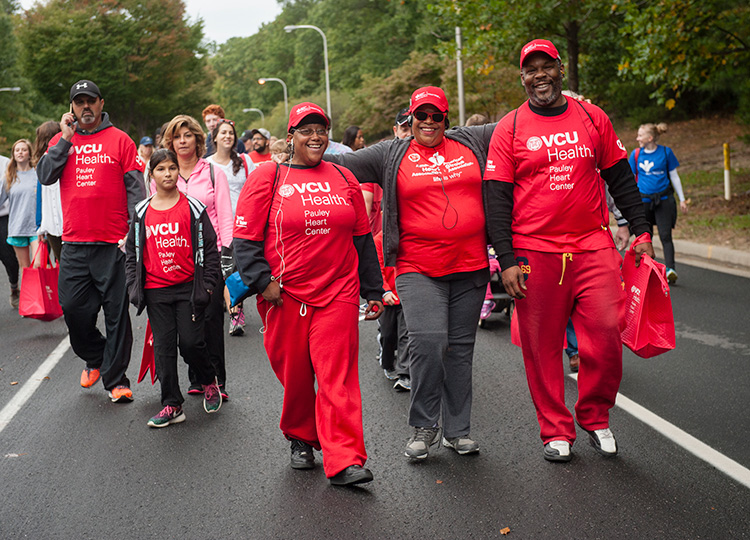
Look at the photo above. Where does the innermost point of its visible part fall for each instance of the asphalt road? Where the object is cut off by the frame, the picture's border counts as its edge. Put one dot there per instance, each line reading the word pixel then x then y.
pixel 74 465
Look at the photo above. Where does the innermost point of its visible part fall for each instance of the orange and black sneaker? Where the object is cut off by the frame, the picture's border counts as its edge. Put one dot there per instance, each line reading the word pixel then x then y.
pixel 120 394
pixel 89 377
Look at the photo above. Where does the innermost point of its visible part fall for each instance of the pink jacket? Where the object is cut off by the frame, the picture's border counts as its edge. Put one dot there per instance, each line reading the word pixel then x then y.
pixel 215 196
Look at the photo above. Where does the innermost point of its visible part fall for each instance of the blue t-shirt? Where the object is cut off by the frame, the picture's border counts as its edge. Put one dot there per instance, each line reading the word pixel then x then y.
pixel 652 171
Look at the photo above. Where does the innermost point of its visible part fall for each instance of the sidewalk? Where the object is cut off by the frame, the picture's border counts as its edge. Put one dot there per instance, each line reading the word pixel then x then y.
pixel 717 258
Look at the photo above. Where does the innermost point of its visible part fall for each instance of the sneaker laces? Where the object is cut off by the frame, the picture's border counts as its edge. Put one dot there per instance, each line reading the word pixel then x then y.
pixel 300 446
pixel 210 391
pixel 425 435
pixel 169 411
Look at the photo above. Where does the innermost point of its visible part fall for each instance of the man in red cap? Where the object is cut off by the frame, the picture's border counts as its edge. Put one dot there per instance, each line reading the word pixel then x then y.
pixel 434 234
pixel 547 218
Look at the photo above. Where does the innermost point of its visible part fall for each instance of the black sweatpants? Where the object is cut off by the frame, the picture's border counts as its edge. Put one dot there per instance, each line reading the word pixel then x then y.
pixel 92 277
pixel 8 254
pixel 171 317
pixel 214 334
pixel 395 340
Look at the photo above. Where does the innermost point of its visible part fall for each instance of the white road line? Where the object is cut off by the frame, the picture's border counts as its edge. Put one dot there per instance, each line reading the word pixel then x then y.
pixel 699 449
pixel 30 386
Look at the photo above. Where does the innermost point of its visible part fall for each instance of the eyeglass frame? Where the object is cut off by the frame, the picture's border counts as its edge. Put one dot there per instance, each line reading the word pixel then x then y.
pixel 324 131
pixel 430 115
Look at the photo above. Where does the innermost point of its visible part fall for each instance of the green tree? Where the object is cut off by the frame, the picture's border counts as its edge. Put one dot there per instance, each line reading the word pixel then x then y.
pixel 681 47
pixel 144 55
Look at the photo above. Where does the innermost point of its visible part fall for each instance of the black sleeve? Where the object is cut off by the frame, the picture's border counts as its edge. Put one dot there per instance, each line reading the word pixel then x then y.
pixel 251 263
pixel 370 278
pixel 498 208
pixel 130 264
pixel 135 189
pixel 367 164
pixel 211 264
pixel 624 191
pixel 51 166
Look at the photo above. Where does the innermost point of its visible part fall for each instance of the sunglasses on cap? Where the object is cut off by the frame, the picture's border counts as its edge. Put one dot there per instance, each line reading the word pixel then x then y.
pixel 422 116
pixel 226 121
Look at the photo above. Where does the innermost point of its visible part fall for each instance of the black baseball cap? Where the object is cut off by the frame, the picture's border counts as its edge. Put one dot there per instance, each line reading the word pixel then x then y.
pixel 402 117
pixel 85 87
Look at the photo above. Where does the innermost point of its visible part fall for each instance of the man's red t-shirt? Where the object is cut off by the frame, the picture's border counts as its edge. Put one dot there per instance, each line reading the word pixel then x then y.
pixel 92 189
pixel 168 253
pixel 441 214
pixel 559 202
pixel 308 237
pixel 257 158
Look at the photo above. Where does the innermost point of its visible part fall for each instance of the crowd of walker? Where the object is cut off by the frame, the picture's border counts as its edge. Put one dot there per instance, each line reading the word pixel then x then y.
pixel 313 226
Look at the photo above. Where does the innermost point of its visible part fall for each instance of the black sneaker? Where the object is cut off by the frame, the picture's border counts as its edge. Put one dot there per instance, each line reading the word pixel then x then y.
pixel 403 384
pixel 302 455
pixel 353 474
pixel 195 389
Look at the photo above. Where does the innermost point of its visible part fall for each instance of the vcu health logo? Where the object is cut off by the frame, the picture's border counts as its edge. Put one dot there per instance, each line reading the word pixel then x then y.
pixel 286 191
pixel 534 144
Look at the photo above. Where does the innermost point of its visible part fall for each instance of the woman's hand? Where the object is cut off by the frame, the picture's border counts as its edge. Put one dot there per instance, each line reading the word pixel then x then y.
pixel 272 294
pixel 684 206
pixel 374 310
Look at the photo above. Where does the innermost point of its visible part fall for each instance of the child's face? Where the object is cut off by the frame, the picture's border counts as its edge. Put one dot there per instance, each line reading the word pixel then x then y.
pixel 165 175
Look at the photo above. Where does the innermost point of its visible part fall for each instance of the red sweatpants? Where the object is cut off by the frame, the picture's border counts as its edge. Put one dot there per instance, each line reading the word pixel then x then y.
pixel 587 287
pixel 304 343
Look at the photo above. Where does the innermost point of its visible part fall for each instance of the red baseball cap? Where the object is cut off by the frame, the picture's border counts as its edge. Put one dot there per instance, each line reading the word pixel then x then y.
pixel 428 95
pixel 539 45
pixel 301 111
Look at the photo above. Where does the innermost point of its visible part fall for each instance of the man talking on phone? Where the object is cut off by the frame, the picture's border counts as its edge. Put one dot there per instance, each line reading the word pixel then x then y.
pixel 100 183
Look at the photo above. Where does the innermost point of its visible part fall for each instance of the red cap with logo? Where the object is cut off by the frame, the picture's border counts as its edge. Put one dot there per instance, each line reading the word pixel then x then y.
pixel 302 110
pixel 539 45
pixel 428 95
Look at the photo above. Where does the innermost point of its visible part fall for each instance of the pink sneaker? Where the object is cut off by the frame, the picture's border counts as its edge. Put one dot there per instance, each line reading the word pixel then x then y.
pixel 487 308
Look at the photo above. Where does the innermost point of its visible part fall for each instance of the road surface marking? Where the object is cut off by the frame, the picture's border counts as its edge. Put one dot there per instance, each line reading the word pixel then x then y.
pixel 27 390
pixel 699 449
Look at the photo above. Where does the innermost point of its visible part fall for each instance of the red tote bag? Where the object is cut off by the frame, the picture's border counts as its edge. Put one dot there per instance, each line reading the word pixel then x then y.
pixel 147 358
pixel 649 329
pixel 38 299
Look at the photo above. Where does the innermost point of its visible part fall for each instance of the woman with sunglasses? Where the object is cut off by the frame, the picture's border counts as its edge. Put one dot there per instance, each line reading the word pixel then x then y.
pixel 207 183
pixel 236 167
pixel 434 234
pixel 303 241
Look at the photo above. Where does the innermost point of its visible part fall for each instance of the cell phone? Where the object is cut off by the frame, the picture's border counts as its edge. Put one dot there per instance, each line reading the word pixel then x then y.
pixel 74 116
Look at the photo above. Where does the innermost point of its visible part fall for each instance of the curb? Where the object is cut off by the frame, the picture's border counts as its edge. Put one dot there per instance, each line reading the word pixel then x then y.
pixel 715 256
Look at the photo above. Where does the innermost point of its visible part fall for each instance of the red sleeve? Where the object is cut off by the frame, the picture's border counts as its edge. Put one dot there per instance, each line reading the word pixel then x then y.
pixel 500 163
pixel 388 272
pixel 129 158
pixel 367 186
pixel 252 206
pixel 362 225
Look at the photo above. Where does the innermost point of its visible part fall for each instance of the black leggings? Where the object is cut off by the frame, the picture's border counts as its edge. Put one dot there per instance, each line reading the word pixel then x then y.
pixel 664 216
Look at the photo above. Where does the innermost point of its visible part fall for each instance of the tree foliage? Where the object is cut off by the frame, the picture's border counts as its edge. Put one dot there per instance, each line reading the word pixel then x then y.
pixel 143 54
pixel 678 47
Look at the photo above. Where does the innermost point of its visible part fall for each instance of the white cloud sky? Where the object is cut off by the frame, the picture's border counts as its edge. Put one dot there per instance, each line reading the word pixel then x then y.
pixel 224 19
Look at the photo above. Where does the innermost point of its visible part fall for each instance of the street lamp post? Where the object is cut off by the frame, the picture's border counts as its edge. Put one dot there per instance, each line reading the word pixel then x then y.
pixel 11 89
pixel 253 109
pixel 263 80
pixel 291 27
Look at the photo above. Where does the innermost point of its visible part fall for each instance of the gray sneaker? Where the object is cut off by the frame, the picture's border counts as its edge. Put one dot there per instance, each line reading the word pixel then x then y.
pixel 390 374
pixel 462 445
pixel 419 445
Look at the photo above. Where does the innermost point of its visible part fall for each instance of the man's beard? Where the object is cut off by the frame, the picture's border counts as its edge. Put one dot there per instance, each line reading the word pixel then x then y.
pixel 550 99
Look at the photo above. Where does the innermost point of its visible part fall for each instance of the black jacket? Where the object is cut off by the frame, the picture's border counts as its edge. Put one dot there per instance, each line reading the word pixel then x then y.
pixel 205 255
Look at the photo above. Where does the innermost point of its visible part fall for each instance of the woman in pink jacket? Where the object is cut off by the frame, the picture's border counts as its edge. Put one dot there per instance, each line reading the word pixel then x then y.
pixel 207 183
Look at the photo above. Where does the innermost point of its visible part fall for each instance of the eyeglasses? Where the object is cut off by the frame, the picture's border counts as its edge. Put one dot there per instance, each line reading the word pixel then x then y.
pixel 307 132
pixel 422 116
pixel 224 120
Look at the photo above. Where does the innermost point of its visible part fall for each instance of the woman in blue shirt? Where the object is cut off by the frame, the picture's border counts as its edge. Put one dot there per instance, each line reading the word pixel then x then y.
pixel 655 170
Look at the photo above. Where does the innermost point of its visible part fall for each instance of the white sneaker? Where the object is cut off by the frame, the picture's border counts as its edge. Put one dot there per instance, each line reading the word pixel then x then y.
pixel 557 451
pixel 603 442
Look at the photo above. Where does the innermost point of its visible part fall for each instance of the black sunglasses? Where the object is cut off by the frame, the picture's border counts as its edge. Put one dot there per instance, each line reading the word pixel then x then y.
pixel 422 116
